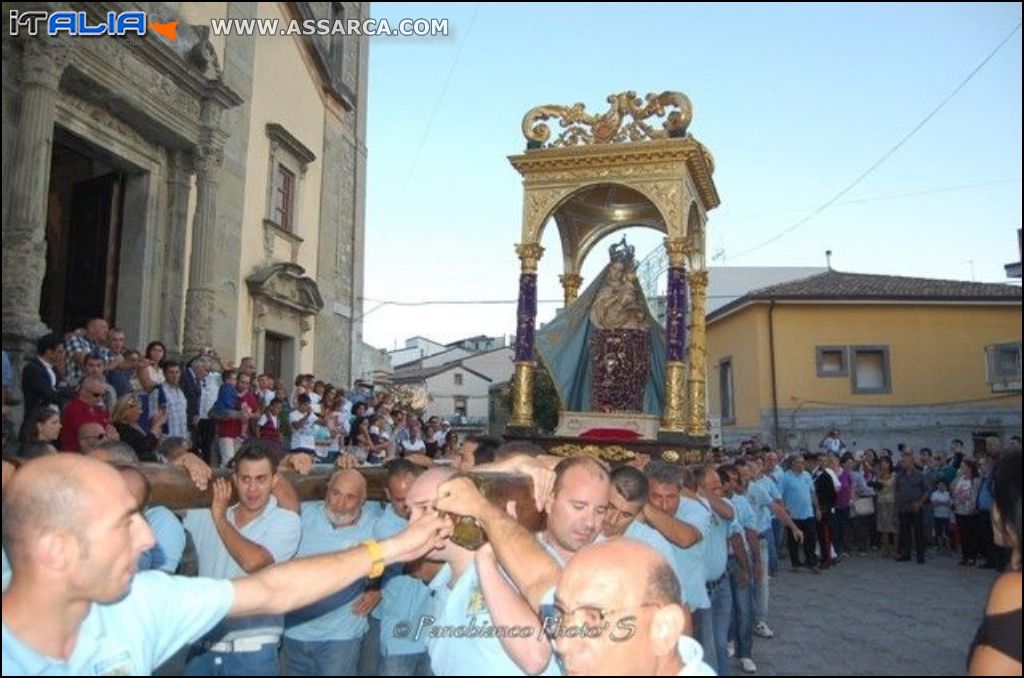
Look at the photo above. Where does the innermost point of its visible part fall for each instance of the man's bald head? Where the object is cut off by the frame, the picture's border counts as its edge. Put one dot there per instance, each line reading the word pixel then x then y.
pixel 90 435
pixel 622 560
pixel 50 494
pixel 629 586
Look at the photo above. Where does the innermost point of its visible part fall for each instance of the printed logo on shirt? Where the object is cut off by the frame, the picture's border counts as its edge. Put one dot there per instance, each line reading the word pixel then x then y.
pixel 477 604
pixel 120 665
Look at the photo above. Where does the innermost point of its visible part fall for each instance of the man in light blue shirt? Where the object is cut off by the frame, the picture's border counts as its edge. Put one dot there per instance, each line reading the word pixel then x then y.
pixel 628 497
pixel 404 598
pixel 716 558
pixel 325 638
pixel 766 500
pixel 470 592
pixel 165 555
pixel 797 490
pixel 745 567
pixel 237 540
pixel 75 606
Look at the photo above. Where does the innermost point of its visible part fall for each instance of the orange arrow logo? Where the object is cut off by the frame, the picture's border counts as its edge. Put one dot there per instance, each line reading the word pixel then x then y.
pixel 168 29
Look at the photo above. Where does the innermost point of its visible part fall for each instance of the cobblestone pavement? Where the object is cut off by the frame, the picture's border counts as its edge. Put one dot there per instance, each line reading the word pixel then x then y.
pixel 870 616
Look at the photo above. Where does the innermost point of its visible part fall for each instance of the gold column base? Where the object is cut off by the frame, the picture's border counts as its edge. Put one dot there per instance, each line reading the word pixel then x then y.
pixel 522 396
pixel 698 419
pixel 676 413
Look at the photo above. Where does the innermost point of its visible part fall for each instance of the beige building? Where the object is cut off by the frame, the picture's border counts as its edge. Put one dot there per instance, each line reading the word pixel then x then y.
pixel 205 191
pixel 886 359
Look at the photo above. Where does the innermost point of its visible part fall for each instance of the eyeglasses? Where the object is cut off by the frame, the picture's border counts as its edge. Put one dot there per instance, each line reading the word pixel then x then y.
pixel 592 615
pixel 96 394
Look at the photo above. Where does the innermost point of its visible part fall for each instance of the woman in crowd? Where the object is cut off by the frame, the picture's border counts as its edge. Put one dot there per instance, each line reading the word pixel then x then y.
pixel 965 507
pixel 149 372
pixel 996 649
pixel 885 507
pixel 44 425
pixel 125 418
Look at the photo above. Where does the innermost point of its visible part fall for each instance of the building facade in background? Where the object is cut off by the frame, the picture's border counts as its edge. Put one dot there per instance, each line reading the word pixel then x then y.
pixel 204 191
pixel 885 359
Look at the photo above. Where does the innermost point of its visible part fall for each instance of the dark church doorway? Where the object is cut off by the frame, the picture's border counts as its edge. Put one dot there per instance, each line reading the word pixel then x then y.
pixel 83 235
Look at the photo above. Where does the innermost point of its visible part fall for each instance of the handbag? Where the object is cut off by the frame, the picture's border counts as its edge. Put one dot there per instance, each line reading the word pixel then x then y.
pixel 864 506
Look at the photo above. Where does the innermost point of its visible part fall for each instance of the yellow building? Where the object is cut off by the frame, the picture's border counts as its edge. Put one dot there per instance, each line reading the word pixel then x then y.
pixel 196 186
pixel 885 359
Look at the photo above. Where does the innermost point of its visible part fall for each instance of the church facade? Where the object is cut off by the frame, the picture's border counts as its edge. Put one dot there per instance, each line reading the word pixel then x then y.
pixel 206 190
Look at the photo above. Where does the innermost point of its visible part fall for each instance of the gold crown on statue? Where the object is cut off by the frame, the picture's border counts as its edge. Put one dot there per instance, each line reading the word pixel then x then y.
pixel 622 253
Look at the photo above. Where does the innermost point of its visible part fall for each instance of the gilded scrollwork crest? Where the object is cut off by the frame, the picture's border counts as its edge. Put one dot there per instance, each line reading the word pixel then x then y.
pixel 626 120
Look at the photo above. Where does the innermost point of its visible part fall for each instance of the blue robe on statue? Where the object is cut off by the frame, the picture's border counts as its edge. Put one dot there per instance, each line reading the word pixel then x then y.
pixel 563 347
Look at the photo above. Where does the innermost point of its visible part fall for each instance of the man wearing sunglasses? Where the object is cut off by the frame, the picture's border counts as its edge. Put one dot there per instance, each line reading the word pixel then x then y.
pixel 87 407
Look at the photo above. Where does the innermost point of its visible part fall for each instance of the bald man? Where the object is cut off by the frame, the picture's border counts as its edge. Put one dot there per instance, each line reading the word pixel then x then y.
pixel 631 588
pixel 91 435
pixel 325 638
pixel 648 630
pixel 74 534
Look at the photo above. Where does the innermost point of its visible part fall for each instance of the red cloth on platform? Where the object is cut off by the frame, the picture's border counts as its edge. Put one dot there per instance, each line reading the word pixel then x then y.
pixel 618 435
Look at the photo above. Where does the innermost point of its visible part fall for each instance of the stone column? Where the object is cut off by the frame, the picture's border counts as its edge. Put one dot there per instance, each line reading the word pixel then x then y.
pixel 199 299
pixel 526 321
pixel 179 170
pixel 571 283
pixel 676 413
pixel 24 235
pixel 698 354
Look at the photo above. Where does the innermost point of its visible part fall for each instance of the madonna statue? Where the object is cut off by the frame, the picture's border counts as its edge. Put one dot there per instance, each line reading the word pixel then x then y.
pixel 606 352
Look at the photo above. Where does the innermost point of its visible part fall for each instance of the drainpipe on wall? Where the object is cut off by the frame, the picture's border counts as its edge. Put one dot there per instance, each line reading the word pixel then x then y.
pixel 771 355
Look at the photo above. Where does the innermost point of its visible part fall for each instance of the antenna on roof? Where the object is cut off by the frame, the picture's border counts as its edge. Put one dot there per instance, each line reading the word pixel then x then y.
pixel 828 259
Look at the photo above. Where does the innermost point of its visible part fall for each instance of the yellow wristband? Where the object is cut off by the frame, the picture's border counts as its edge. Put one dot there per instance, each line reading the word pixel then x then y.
pixel 377 555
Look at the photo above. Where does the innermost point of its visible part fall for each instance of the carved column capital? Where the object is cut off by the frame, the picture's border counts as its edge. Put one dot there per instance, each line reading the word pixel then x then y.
pixel 529 254
pixel 571 283
pixel 678 250
pixel 42 64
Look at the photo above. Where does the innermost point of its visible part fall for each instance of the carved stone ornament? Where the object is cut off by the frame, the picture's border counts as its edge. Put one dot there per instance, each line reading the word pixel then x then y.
pixel 286 284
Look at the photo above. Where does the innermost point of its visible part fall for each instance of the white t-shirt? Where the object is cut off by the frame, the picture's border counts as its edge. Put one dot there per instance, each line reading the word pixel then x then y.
pixel 304 436
pixel 417 446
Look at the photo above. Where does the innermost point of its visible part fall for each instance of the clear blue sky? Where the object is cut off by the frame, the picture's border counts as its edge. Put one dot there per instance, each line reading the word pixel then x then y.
pixel 794 102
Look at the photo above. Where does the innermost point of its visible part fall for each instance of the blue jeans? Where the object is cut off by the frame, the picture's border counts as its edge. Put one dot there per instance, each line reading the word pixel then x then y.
pixel 704 633
pixel 715 629
pixel 774 544
pixel 320 657
pixel 759 590
pixel 742 625
pixel 417 664
pixel 369 655
pixel 260 663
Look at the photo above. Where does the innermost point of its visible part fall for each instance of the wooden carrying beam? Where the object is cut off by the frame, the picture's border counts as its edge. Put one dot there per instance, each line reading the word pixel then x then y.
pixel 173 488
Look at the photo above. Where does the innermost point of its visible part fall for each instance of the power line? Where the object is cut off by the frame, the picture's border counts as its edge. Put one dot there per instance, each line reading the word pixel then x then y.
pixel 877 198
pixel 878 163
pixel 440 99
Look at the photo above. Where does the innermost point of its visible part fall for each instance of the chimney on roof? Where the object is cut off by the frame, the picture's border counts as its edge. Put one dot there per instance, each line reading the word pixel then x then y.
pixel 828 259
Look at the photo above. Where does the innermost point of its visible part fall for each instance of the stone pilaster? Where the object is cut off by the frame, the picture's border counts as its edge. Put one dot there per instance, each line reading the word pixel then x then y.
pixel 24 238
